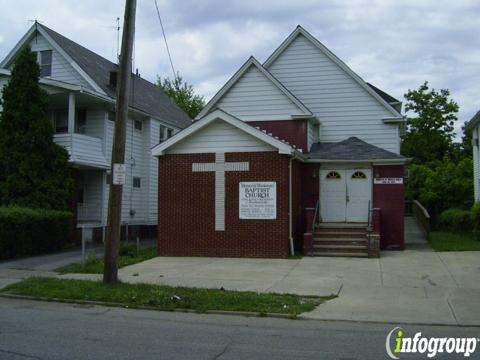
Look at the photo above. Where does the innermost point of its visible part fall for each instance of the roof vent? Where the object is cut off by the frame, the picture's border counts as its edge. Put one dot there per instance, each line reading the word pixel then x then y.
pixel 113 79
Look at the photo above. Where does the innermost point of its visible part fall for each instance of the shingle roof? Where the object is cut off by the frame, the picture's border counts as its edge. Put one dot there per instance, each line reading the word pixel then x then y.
pixel 350 149
pixel 145 96
pixel 473 121
pixel 387 97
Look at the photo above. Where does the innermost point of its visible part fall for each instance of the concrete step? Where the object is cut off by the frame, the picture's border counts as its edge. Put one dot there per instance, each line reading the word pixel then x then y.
pixel 339 240
pixel 340 234
pixel 342 225
pixel 340 254
pixel 348 247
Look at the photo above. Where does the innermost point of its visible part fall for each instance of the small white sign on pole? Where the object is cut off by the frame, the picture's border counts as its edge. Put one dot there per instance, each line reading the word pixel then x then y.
pixel 119 174
pixel 388 181
pixel 258 200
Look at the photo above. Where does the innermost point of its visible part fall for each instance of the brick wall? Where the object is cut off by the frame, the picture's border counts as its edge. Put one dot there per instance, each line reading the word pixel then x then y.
pixel 186 213
pixel 391 201
pixel 293 131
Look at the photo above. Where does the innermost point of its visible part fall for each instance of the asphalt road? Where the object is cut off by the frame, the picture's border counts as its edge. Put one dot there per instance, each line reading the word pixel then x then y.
pixel 40 330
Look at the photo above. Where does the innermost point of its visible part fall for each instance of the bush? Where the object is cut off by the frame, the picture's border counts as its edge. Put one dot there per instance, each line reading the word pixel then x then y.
pixel 455 220
pixel 128 249
pixel 27 231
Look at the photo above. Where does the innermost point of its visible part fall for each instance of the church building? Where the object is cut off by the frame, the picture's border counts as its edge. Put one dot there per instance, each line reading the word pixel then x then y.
pixel 295 155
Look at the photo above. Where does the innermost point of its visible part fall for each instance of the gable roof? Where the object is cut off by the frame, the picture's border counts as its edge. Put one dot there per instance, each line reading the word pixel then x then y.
pixel 144 95
pixel 283 147
pixel 301 31
pixel 233 80
pixel 387 97
pixel 473 121
pixel 351 149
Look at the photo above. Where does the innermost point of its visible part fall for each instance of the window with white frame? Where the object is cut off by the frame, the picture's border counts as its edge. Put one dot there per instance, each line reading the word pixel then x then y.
pixel 165 133
pixel 45 61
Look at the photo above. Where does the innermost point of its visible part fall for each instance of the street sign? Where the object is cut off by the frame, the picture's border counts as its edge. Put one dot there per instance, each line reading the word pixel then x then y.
pixel 119 174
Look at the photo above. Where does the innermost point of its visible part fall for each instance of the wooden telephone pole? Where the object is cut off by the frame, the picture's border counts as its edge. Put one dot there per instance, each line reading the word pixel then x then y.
pixel 110 272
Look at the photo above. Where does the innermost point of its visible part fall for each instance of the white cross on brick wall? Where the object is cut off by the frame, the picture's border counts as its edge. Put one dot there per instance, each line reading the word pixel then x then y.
pixel 219 167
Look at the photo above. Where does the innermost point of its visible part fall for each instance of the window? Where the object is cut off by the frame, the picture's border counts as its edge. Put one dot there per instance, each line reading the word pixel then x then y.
pixel 111 115
pixel 359 175
pixel 45 61
pixel 165 133
pixel 138 125
pixel 81 121
pixel 60 119
pixel 333 175
pixel 137 182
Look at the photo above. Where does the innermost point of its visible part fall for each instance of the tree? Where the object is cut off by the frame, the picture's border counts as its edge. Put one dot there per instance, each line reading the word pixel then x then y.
pixel 445 185
pixel 34 171
pixel 429 136
pixel 182 94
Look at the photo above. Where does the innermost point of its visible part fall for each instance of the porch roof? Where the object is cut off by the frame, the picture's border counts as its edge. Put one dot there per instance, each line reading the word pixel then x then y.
pixel 351 149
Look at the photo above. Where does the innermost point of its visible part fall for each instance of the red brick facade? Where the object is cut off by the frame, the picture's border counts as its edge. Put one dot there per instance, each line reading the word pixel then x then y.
pixel 293 131
pixel 390 199
pixel 186 213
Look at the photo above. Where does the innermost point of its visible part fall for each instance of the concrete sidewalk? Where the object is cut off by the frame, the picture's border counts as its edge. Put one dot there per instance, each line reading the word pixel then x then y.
pixel 411 286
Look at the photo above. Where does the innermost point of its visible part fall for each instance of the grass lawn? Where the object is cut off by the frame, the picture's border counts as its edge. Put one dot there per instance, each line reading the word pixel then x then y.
pixel 445 241
pixel 94 265
pixel 165 297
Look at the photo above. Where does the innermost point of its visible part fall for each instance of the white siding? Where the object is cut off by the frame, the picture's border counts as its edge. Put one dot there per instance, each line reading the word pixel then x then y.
pixel 255 97
pixel 137 157
pixel 61 69
pixel 476 163
pixel 343 107
pixel 91 209
pixel 95 123
pixel 154 135
pixel 219 137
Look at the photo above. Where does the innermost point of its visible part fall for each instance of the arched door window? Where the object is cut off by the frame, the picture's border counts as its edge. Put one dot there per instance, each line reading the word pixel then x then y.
pixel 359 175
pixel 333 175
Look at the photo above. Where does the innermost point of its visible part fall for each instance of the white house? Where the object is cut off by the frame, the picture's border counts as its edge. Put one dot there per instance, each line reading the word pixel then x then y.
pixel 81 88
pixel 474 126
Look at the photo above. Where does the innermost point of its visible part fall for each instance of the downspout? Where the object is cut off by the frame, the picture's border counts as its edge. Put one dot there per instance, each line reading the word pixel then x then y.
pixel 290 201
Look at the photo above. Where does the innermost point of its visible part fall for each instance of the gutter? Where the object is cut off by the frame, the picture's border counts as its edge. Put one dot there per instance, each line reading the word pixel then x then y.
pixel 373 161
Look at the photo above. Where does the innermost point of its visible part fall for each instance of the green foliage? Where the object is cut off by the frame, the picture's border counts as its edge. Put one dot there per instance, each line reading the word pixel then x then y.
pixel 26 231
pixel 430 133
pixel 166 297
pixel 447 241
pixel 442 185
pixel 475 212
pixel 455 220
pixel 182 94
pixel 34 170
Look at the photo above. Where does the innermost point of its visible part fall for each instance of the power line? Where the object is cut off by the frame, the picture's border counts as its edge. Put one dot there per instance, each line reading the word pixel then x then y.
pixel 165 38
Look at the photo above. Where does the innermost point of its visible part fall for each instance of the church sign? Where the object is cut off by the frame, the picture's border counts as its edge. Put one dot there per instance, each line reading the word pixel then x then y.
pixel 258 200
pixel 388 181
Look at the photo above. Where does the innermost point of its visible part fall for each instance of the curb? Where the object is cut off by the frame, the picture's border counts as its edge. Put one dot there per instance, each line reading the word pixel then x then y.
pixel 151 308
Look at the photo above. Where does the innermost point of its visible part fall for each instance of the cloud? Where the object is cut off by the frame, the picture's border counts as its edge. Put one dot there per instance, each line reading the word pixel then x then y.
pixel 394 45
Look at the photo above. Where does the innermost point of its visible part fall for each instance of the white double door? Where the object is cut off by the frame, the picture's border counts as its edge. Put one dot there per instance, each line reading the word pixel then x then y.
pixel 345 194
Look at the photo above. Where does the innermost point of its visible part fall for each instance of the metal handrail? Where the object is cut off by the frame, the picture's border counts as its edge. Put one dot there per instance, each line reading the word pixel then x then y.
pixel 315 214
pixel 369 215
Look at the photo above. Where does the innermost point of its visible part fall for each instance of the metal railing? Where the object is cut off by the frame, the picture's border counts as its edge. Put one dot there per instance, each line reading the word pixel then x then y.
pixel 315 215
pixel 422 216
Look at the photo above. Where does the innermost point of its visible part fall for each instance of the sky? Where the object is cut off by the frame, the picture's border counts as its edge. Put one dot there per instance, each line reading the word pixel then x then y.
pixel 396 45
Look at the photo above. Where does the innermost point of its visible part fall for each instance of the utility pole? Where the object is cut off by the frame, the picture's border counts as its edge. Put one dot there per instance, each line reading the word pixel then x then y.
pixel 110 271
